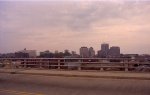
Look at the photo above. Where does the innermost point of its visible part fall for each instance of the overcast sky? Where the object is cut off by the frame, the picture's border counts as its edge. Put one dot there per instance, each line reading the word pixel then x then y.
pixel 58 25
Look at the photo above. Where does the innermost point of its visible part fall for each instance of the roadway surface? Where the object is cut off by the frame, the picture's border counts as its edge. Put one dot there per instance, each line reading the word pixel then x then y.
pixel 19 84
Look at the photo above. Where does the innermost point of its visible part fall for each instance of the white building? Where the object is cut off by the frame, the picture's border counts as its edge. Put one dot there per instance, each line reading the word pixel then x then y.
pixel 32 53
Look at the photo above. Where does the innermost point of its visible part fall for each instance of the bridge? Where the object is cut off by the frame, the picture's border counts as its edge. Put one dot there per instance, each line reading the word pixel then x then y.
pixel 102 64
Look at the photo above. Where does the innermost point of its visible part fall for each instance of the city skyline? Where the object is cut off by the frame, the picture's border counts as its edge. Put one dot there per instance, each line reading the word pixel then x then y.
pixel 60 25
pixel 105 48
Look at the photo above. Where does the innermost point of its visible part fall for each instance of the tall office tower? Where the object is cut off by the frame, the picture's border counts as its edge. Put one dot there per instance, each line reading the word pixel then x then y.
pixel 114 51
pixel 84 52
pixel 104 50
pixel 91 52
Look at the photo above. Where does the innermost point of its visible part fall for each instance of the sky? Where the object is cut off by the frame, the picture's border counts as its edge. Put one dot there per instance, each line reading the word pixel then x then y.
pixel 70 24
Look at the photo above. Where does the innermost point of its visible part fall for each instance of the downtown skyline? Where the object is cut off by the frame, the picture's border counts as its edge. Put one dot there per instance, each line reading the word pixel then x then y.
pixel 60 25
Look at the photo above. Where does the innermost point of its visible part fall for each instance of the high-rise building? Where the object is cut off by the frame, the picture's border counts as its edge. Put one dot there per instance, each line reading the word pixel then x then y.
pixel 91 52
pixel 104 50
pixel 114 51
pixel 84 52
pixel 105 47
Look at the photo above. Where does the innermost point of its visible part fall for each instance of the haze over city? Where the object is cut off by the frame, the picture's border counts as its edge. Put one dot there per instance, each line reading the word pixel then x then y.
pixel 63 24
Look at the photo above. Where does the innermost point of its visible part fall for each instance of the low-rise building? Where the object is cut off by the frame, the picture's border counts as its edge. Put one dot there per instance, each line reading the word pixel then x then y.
pixel 32 53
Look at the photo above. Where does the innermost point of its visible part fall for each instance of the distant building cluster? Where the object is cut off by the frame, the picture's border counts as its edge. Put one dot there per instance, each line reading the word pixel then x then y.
pixel 57 54
pixel 105 51
pixel 87 52
pixel 26 53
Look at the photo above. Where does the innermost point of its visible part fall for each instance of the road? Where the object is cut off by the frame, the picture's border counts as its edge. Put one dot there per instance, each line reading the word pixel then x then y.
pixel 19 84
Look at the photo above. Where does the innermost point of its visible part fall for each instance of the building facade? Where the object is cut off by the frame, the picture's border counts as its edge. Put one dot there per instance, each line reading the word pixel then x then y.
pixel 114 51
pixel 32 53
pixel 91 52
pixel 84 52
pixel 103 53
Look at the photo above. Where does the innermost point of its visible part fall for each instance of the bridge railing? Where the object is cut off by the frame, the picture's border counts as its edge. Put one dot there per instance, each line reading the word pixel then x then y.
pixel 103 64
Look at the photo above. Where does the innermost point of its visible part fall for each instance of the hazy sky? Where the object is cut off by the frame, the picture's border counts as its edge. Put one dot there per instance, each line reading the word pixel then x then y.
pixel 59 24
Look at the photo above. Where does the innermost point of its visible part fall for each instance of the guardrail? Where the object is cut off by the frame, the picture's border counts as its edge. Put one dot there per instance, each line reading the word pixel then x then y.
pixel 113 64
